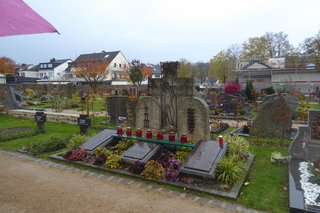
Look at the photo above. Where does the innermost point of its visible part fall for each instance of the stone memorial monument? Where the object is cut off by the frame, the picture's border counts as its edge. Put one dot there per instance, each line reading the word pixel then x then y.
pixel 171 104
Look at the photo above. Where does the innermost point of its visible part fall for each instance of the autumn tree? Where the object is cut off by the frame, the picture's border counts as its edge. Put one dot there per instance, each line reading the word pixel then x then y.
pixel 200 71
pixel 7 66
pixel 234 53
pixel 218 67
pixel 147 71
pixel 185 68
pixel 278 44
pixel 270 45
pixel 311 49
pixel 136 73
pixel 94 72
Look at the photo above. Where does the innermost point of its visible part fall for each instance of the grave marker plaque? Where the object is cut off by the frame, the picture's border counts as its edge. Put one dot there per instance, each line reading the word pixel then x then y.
pixel 100 140
pixel 84 122
pixel 203 159
pixel 141 151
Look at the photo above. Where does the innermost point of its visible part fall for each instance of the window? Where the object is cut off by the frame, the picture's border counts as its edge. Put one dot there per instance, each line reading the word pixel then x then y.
pixel 50 74
pixel 41 75
pixel 125 66
pixel 41 65
pixel 50 65
pixel 115 65
pixel 120 65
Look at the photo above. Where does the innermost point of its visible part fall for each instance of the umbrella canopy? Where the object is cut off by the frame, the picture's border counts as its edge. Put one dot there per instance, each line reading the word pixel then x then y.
pixel 17 18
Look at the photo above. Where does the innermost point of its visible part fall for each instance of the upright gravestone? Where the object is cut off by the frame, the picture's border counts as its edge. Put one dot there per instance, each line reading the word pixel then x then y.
pixel 84 122
pixel 117 109
pixel 40 118
pixel 274 118
pixel 171 104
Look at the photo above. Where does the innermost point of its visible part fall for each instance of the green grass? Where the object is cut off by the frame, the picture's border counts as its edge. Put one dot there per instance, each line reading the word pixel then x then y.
pixel 52 129
pixel 314 106
pixel 270 141
pixel 95 106
pixel 267 181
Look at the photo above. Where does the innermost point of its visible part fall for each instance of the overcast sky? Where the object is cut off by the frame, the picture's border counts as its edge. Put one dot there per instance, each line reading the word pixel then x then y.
pixel 158 30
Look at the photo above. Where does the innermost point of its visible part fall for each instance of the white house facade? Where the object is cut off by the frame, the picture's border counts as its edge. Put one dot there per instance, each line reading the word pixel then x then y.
pixel 54 70
pixel 28 71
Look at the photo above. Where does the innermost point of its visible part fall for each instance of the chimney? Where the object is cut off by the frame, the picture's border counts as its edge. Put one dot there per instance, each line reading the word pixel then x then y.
pixel 52 60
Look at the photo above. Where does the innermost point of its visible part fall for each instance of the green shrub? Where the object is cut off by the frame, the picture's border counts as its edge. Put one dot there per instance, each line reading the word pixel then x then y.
pixel 123 145
pixel 102 150
pixel 49 145
pixel 4 137
pixel 153 170
pixel 229 170
pixel 237 146
pixel 29 92
pixel 113 161
pixel 76 141
pixel 181 155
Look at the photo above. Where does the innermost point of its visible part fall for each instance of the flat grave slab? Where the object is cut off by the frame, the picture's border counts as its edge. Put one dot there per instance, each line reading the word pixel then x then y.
pixel 141 151
pixel 203 159
pixel 101 139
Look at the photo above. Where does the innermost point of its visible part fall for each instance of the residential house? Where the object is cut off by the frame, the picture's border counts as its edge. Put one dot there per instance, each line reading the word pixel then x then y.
pixel 117 64
pixel 54 70
pixel 27 71
pixel 2 79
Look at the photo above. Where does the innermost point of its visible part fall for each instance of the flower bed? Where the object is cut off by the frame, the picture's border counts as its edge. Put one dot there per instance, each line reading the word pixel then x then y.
pixel 163 169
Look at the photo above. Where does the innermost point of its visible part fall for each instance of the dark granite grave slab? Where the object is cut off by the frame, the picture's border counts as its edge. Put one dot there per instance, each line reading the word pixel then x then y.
pixel 141 151
pixel 101 139
pixel 203 159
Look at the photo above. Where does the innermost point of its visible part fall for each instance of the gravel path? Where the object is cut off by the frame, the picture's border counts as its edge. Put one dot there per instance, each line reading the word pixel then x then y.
pixel 27 186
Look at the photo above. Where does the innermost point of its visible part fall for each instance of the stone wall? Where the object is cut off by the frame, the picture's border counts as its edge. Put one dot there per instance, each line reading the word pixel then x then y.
pixel 51 116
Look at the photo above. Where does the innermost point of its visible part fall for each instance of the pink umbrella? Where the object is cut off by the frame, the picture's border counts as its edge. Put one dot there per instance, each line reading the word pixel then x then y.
pixel 17 18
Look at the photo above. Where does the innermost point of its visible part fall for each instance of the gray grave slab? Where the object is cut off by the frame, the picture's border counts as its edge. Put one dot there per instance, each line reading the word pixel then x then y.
pixel 141 151
pixel 203 159
pixel 101 139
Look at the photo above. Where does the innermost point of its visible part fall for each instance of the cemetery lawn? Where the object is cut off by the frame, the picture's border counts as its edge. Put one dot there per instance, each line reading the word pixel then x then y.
pixel 314 106
pixel 268 183
pixel 266 191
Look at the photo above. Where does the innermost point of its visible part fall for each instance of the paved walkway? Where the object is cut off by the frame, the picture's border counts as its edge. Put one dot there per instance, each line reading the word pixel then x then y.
pixel 30 184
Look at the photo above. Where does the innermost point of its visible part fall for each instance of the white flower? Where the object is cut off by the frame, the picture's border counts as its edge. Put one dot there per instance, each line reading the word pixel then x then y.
pixel 311 191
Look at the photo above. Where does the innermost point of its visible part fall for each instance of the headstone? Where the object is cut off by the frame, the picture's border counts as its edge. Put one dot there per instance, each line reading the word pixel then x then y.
pixel 40 118
pixel 171 104
pixel 274 118
pixel 203 159
pixel 100 140
pixel 141 151
pixel 304 148
pixel 117 109
pixel 84 122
